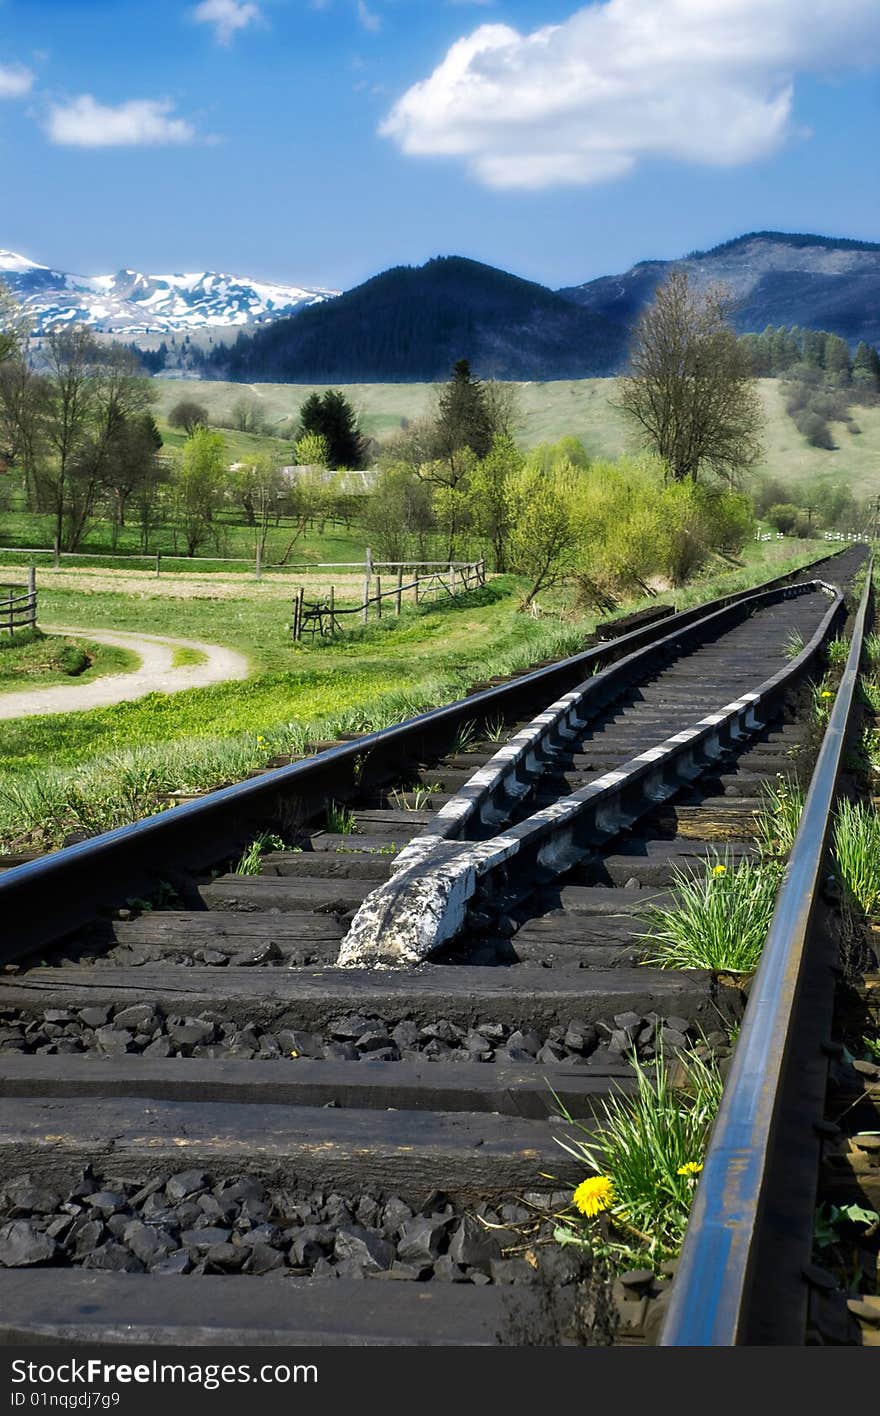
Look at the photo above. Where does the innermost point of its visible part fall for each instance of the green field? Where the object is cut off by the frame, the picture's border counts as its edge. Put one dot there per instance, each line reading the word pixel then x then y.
pixel 578 408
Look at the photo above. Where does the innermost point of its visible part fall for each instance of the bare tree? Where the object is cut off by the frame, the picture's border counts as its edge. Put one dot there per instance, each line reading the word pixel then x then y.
pixel 689 390
pixel 72 355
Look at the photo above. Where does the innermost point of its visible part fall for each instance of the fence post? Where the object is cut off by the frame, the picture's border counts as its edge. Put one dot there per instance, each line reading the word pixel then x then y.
pixel 158 564
pixel 378 597
pixel 399 595
pixel 368 575
pixel 417 587
pixel 332 610
pixel 56 546
pixel 10 626
pixel 32 593
pixel 259 566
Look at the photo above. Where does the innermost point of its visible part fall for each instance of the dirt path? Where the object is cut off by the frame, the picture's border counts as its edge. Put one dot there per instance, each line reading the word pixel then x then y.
pixel 155 675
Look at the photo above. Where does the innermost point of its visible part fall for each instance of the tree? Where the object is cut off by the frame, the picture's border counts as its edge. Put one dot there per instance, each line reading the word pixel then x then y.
pixel 72 357
pixel 200 486
pixel 110 459
pixel 331 416
pixel 689 390
pixel 247 415
pixel 464 417
pixel 489 495
pixel 311 450
pixel 188 414
pixel 399 516
pixel 260 487
pixel 13 327
pixel 545 532
pixel 783 516
pixel 866 367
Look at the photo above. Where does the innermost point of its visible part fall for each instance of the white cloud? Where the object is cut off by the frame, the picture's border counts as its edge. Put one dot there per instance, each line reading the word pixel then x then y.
pixel 15 81
pixel 141 122
pixel 625 80
pixel 227 16
pixel 368 18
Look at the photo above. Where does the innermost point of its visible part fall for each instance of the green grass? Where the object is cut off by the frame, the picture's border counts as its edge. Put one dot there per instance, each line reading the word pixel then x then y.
pixel 779 818
pixel 857 851
pixel 650 1147
pixel 183 657
pixel 45 660
pixel 719 920
pixel 794 644
pixel 259 846
pixel 31 529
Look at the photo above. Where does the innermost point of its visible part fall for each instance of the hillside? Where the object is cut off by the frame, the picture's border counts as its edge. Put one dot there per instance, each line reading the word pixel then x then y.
pixel 412 323
pixel 777 278
pixel 551 410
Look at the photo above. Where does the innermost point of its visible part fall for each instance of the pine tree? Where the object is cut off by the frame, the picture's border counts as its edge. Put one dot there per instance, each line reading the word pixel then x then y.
pixel 330 415
pixel 866 366
pixel 464 417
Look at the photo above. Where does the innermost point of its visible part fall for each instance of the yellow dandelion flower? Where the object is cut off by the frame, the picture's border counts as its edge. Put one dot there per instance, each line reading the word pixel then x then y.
pixel 826 693
pixel 719 869
pixel 690 1167
pixel 261 739
pixel 593 1196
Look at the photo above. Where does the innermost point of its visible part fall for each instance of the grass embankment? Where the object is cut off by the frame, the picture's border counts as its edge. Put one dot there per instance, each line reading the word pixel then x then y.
pixel 111 765
pixel 41 660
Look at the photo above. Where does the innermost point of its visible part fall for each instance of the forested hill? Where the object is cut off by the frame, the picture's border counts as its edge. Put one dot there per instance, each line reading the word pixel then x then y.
pixel 411 324
pixel 776 277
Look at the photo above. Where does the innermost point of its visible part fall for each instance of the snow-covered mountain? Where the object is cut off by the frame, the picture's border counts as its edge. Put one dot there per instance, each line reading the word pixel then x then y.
pixel 130 303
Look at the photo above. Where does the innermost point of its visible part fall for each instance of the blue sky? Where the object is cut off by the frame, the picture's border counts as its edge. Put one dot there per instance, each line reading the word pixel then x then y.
pixel 320 141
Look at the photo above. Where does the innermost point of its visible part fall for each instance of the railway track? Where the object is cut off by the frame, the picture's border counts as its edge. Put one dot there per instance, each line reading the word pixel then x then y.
pixel 322 1093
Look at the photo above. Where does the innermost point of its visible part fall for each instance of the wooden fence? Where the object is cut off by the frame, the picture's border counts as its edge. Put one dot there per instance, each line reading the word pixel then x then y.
pixel 18 605
pixel 431 580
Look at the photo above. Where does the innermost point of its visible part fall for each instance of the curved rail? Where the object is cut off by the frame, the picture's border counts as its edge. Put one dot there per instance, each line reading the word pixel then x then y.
pixel 729 1290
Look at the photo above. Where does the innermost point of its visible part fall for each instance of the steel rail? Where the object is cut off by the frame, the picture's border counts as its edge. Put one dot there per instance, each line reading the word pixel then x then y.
pixel 45 899
pixel 740 1278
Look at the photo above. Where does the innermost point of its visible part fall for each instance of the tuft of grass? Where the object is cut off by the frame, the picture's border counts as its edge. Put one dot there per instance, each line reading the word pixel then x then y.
pixel 465 739
pixel 650 1147
pixel 340 820
pixel 872 649
pixel 495 729
pixel 719 921
pixel 414 798
pixel 794 644
pixel 821 701
pixel 869 689
pixel 777 823
pixel 838 651
pixel 259 846
pixel 857 851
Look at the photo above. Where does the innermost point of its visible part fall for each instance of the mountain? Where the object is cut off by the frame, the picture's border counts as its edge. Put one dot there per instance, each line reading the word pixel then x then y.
pixel 133 304
pixel 779 278
pixel 411 323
